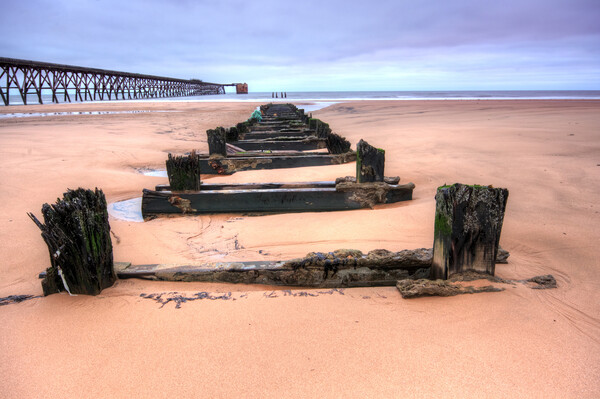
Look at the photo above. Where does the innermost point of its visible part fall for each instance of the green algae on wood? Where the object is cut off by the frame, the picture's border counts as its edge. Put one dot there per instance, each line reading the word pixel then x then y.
pixel 77 233
pixel 467 227
pixel 184 172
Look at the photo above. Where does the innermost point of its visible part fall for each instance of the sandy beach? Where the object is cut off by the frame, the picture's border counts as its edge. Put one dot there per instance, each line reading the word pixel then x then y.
pixel 263 342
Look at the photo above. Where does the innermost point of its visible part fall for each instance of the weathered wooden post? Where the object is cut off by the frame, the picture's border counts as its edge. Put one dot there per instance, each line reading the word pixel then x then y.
pixel 370 163
pixel 336 144
pixel 232 134
pixel 77 234
pixel 217 141
pixel 243 127
pixel 468 222
pixel 323 129
pixel 184 172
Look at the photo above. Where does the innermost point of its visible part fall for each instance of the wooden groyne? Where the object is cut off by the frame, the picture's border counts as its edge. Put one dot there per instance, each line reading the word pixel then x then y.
pixel 283 137
pixel 244 198
pixel 278 127
pixel 342 194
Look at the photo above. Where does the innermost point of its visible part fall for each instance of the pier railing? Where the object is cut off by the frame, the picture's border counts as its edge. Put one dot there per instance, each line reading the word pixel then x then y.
pixel 32 80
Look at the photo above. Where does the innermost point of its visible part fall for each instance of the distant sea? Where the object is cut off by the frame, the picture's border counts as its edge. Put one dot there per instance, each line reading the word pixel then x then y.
pixel 404 95
pixel 369 95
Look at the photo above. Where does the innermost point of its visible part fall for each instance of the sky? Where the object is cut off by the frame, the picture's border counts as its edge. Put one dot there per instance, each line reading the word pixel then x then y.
pixel 319 45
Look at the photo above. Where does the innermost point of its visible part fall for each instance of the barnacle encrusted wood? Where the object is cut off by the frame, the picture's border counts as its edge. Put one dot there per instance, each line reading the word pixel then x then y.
pixel 77 234
pixel 468 223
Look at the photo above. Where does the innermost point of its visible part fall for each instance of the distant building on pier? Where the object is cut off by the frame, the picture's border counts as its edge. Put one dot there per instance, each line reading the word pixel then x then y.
pixel 241 88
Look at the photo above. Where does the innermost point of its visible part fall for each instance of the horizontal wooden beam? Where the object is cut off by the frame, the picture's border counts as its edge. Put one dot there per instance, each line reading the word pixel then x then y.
pixel 256 186
pixel 239 199
pixel 257 161
pixel 282 145
pixel 338 269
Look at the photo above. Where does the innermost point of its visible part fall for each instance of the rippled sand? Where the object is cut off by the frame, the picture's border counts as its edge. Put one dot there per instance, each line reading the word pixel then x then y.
pixel 256 342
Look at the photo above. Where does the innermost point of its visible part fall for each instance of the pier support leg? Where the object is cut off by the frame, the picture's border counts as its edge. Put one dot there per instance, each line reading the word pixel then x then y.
pixel 370 162
pixel 77 234
pixel 468 222
pixel 184 172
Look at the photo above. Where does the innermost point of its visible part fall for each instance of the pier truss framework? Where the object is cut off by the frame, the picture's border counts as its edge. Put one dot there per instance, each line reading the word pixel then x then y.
pixel 32 79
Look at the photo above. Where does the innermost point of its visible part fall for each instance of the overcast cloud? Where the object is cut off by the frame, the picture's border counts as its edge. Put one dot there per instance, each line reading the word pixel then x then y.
pixel 320 45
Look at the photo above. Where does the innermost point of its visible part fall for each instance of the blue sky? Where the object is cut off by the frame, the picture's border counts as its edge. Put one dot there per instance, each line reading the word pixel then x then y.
pixel 320 45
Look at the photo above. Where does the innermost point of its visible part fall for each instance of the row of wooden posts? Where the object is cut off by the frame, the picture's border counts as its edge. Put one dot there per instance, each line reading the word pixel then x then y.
pixel 468 223
pixel 184 171
pixel 257 144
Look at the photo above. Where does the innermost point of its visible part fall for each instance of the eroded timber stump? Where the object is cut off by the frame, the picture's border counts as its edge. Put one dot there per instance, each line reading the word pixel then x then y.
pixel 468 223
pixel 77 234
pixel 336 144
pixel 184 172
pixel 370 163
pixel 217 141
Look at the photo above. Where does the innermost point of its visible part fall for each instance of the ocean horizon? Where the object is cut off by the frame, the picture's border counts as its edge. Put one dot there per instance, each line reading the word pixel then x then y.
pixel 15 98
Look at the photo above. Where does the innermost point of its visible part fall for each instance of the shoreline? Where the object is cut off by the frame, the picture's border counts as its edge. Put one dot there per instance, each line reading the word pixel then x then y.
pixel 96 108
pixel 183 100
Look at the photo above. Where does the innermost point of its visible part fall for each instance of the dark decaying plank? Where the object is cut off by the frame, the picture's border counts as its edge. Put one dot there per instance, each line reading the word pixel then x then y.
pixel 340 268
pixel 247 161
pixel 315 199
pixel 282 145
pixel 256 186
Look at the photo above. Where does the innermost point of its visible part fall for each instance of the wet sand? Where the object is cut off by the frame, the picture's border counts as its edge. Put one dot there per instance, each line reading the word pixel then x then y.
pixel 260 342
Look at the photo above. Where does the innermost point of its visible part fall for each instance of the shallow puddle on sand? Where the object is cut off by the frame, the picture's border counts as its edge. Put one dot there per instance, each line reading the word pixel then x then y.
pixel 154 172
pixel 129 210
